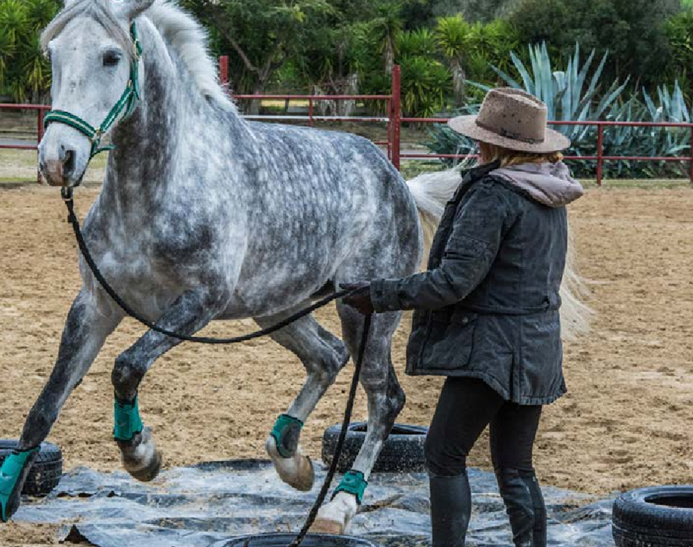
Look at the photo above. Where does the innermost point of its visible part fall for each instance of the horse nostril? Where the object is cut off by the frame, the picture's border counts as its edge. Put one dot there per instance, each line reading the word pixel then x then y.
pixel 68 163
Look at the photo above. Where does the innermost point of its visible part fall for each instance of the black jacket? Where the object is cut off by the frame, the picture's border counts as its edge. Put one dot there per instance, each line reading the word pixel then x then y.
pixel 488 305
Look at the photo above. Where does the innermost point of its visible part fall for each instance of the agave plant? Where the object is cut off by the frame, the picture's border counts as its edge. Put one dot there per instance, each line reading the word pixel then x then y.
pixel 569 95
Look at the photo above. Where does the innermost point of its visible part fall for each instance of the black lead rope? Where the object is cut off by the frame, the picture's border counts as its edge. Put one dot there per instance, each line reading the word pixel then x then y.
pixel 342 437
pixel 72 219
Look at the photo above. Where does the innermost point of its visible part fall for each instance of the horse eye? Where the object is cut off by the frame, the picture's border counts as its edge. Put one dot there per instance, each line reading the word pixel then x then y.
pixel 111 58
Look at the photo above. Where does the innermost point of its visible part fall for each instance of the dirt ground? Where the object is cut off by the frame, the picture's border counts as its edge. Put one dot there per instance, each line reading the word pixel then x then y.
pixel 624 424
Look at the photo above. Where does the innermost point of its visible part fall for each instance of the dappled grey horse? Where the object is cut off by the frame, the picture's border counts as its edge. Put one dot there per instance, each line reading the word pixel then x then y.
pixel 203 216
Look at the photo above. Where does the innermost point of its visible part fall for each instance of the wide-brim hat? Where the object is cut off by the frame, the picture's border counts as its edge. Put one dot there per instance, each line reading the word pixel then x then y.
pixel 513 119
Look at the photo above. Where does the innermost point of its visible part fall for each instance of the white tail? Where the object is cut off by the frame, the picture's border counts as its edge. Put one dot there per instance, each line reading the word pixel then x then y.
pixel 432 191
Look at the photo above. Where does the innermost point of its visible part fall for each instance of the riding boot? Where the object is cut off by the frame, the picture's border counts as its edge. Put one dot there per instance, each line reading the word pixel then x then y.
pixel 451 507
pixel 524 504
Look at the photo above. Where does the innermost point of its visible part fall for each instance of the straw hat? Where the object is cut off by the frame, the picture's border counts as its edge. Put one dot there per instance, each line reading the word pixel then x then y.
pixel 514 120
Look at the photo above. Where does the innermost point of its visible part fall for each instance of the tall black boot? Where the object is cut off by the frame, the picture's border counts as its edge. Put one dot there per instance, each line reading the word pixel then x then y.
pixel 525 506
pixel 451 507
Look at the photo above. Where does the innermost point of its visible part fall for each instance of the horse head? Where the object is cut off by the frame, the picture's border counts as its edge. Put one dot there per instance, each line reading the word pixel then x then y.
pixel 94 56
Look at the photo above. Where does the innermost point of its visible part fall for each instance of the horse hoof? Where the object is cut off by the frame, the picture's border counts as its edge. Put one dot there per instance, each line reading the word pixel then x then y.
pixel 140 457
pixel 304 478
pixel 334 517
pixel 325 526
pixel 296 471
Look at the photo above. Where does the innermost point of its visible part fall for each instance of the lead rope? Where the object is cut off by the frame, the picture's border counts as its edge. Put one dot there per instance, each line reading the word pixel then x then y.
pixel 74 222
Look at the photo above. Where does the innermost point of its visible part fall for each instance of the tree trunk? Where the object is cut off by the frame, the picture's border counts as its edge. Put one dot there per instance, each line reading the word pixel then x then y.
pixel 256 104
pixel 459 78
pixel 389 57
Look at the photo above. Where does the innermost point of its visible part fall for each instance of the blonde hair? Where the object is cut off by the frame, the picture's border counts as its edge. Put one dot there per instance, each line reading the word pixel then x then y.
pixel 507 157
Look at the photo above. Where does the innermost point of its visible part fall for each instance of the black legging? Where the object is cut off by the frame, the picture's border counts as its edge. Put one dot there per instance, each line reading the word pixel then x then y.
pixel 465 408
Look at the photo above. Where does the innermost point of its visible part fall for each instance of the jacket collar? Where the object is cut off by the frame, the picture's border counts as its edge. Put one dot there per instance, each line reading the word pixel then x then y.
pixel 480 171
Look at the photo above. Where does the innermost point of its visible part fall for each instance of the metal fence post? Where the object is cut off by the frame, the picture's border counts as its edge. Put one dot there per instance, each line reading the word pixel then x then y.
pixel 600 153
pixel 396 115
pixel 310 112
pixel 39 134
pixel 691 154
pixel 224 70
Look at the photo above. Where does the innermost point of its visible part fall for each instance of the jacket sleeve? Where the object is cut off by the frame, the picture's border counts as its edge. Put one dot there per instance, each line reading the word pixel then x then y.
pixel 477 232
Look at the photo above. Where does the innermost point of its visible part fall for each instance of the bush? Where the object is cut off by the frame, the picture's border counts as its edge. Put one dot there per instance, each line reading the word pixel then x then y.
pixel 24 71
pixel 632 31
pixel 571 96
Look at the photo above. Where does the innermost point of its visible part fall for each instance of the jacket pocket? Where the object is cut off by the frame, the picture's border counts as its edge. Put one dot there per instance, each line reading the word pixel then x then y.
pixel 449 345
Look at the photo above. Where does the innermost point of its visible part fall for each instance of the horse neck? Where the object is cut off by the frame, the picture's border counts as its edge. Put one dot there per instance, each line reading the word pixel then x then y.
pixel 150 141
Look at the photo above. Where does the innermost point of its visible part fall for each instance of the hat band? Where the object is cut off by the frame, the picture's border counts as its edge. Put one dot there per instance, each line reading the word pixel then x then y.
pixel 508 134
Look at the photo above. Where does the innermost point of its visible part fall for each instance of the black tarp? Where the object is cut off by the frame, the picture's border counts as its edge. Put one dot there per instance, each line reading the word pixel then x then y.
pixel 206 505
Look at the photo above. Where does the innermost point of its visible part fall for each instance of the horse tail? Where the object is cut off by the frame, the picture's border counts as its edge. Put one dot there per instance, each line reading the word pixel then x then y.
pixel 432 191
pixel 576 315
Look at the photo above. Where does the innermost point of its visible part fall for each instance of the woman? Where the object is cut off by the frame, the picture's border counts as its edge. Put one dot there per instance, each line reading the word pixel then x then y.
pixel 487 312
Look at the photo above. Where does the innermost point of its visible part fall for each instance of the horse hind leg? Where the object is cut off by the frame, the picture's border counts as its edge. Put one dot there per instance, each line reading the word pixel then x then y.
pixel 323 355
pixel 385 401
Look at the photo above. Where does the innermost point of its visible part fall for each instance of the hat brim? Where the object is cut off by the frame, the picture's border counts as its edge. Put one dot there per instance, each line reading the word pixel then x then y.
pixel 466 125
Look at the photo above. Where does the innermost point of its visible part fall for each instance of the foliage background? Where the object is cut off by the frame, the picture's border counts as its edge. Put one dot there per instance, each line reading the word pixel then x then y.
pixel 450 51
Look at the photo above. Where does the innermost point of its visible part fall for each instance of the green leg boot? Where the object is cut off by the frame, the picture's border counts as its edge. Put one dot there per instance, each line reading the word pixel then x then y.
pixel 13 473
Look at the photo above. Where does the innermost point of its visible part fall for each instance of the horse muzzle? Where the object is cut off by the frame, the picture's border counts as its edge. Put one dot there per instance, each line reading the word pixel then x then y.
pixel 61 165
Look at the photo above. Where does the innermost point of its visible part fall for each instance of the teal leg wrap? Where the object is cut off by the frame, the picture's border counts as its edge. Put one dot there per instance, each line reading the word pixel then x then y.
pixel 354 483
pixel 286 432
pixel 10 472
pixel 127 421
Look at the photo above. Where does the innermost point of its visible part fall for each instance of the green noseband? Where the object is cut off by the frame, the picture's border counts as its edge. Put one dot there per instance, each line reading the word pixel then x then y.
pixel 126 104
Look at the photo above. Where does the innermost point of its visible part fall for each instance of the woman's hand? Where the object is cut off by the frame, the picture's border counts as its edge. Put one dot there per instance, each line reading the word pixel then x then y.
pixel 360 298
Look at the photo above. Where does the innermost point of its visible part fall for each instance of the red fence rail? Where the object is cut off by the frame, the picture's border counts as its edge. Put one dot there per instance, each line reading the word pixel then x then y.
pixel 395 120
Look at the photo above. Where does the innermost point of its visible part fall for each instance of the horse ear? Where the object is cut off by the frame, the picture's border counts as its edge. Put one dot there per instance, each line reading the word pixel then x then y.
pixel 129 9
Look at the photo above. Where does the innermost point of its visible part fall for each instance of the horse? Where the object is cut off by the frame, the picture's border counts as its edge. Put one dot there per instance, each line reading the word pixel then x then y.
pixel 203 216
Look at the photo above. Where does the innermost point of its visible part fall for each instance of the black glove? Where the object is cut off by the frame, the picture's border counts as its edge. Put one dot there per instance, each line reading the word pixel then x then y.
pixel 360 298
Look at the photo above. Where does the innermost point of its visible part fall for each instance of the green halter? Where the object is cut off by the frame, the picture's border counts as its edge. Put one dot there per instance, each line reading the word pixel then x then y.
pixel 127 103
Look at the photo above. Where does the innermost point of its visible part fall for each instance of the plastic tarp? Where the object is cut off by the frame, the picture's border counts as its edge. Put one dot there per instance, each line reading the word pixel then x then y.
pixel 207 505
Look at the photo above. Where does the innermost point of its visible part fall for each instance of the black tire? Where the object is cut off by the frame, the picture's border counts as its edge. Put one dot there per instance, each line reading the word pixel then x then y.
pixel 311 540
pixel 660 516
pixel 403 451
pixel 46 472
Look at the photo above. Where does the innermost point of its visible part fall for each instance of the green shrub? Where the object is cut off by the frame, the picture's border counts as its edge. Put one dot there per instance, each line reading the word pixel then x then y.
pixel 571 95
pixel 24 71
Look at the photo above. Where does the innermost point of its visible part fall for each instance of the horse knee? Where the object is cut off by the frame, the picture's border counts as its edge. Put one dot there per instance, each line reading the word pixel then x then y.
pixel 395 394
pixel 126 377
pixel 328 365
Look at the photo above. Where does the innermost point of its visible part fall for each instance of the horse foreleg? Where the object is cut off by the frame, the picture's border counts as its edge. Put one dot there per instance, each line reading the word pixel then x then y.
pixel 189 313
pixel 385 401
pixel 323 355
pixel 85 331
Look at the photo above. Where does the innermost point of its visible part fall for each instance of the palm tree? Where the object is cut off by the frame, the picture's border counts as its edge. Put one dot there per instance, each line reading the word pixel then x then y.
pixel 386 29
pixel 452 34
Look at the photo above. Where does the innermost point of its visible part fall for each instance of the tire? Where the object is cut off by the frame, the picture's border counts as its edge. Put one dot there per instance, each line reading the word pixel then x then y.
pixel 311 540
pixel 403 450
pixel 659 516
pixel 46 472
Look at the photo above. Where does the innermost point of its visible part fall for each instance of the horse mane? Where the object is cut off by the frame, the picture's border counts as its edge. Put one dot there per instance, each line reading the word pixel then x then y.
pixel 189 39
pixel 181 32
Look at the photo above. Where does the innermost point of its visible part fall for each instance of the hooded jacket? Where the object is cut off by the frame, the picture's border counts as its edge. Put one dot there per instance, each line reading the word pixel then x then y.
pixel 488 305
